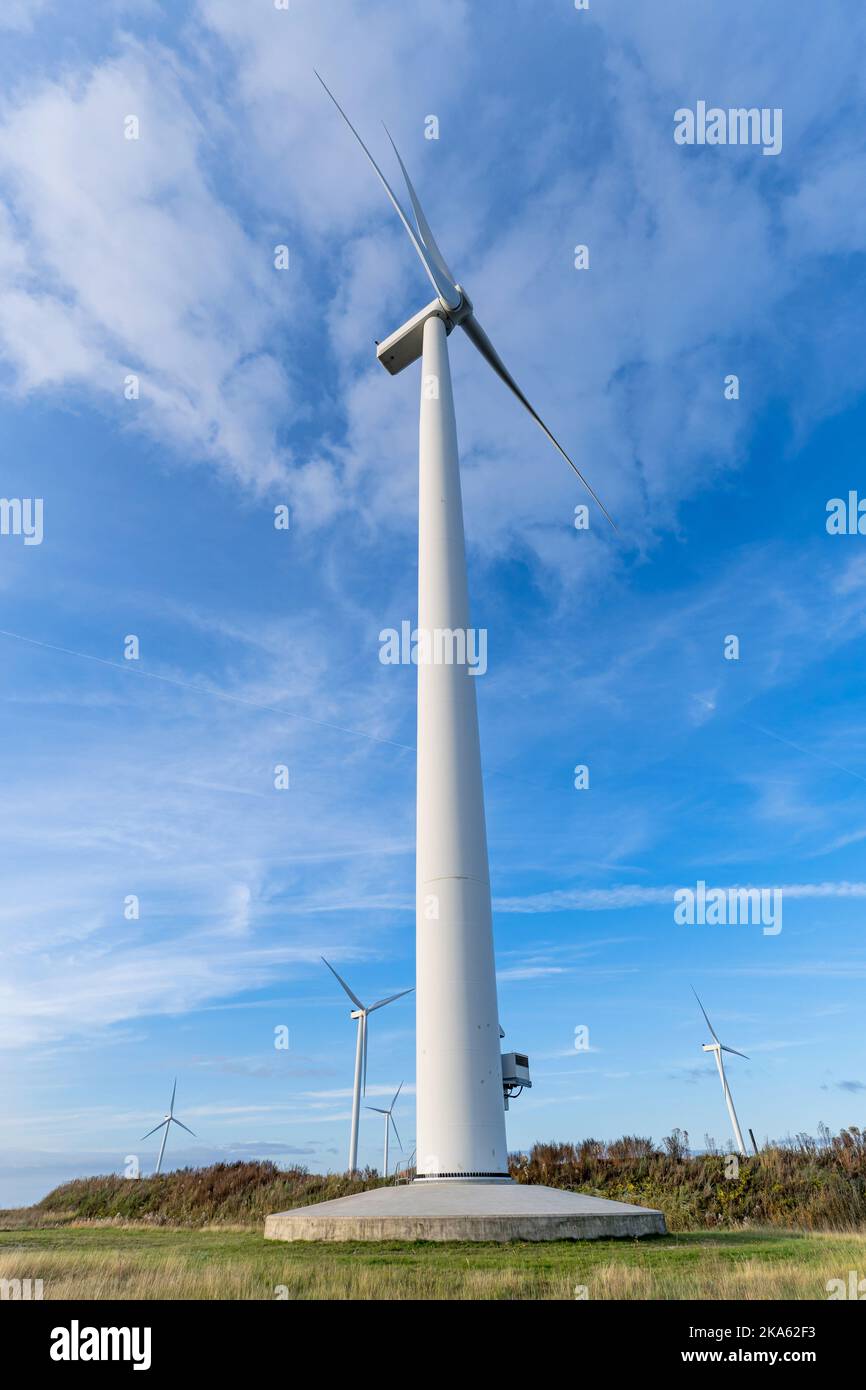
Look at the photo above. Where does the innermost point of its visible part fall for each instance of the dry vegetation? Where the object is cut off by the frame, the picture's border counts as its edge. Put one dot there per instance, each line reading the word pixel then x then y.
pixel 811 1184
pixel 803 1183
pixel 232 1194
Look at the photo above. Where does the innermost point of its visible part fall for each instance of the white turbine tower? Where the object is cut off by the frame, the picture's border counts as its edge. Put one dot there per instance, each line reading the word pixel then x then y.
pixel 461 1113
pixel 360 1012
pixel 170 1119
pixel 389 1121
pixel 718 1048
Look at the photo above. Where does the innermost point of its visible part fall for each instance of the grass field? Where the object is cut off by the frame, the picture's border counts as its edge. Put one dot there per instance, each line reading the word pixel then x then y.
pixel 788 1221
pixel 114 1261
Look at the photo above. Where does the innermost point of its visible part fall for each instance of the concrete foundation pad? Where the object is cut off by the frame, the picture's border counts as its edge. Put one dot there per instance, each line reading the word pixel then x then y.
pixel 455 1210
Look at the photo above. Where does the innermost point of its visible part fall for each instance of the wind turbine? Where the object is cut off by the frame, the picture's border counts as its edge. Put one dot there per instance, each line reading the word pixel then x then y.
pixel 718 1048
pixel 389 1121
pixel 169 1120
pixel 461 1112
pixel 360 1012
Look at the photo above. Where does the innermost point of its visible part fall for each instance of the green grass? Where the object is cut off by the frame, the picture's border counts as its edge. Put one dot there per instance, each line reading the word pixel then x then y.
pixel 112 1261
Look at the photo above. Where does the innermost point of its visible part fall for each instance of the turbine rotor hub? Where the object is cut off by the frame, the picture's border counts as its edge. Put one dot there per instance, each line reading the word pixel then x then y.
pixel 453 315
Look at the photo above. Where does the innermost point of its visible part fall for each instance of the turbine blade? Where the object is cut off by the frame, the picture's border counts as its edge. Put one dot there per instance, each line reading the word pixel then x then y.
pixel 391 997
pixel 182 1125
pixel 735 1052
pixel 704 1012
pixel 423 225
pixel 476 334
pixel 378 1109
pixel 354 998
pixel 444 289
pixel 396 1094
pixel 173 1094
pixel 399 1140
pixel 152 1131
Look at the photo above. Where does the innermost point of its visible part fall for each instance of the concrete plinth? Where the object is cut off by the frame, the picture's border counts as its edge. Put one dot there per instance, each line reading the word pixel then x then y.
pixel 465 1211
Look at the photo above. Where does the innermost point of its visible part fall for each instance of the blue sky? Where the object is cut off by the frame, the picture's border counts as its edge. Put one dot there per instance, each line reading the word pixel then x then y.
pixel 260 647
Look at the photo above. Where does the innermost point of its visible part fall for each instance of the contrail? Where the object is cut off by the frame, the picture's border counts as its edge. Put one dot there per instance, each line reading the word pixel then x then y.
pixel 206 690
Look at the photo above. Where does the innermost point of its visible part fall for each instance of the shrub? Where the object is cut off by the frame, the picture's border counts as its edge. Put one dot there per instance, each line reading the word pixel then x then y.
pixel 812 1184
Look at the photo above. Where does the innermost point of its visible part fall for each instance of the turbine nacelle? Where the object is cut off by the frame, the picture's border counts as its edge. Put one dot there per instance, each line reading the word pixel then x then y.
pixel 405 346
pixel 716 1045
pixel 452 304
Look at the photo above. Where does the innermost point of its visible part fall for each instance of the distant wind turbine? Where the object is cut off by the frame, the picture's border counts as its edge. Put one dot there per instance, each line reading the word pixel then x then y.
pixel 360 1012
pixel 165 1124
pixel 389 1121
pixel 718 1048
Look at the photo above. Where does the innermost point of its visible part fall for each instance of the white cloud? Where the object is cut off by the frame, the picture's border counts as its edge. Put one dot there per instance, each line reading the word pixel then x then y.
pixel 134 265
pixel 137 261
pixel 529 972
pixel 21 14
pixel 631 895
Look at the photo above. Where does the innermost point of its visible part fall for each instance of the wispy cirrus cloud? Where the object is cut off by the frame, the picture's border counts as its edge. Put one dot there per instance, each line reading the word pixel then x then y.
pixel 633 896
pixel 172 281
